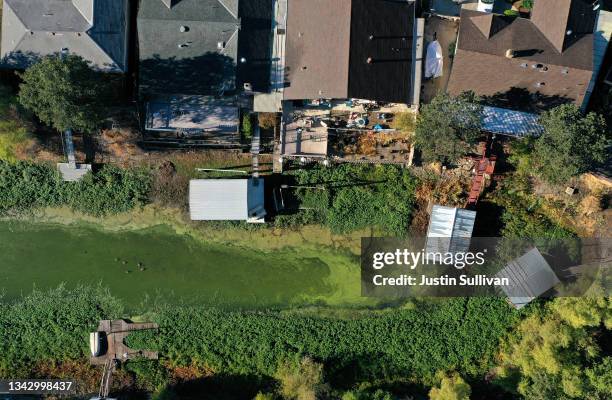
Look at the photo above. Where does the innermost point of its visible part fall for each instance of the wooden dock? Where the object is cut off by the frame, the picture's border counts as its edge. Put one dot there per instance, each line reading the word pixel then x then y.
pixel 112 334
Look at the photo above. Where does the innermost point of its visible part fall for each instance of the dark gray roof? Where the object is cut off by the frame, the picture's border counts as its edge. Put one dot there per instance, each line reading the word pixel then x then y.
pixel 388 76
pixel 349 48
pixel 94 30
pixel 188 48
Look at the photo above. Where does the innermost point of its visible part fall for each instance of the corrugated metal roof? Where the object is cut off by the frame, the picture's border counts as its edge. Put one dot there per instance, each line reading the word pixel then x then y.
pixel 510 122
pixel 224 199
pixel 450 229
pixel 529 276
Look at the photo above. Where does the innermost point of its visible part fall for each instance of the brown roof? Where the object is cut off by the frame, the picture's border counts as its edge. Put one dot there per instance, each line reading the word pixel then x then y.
pixel 537 66
pixel 551 17
pixel 563 22
pixel 317 50
pixel 349 49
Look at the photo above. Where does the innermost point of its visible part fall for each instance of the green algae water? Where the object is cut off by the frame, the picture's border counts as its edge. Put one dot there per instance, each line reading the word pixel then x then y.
pixel 158 265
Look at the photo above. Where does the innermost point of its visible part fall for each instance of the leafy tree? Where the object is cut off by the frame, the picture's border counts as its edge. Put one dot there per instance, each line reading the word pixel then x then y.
pixel 63 92
pixel 301 381
pixel 448 127
pixel 571 143
pixel 557 351
pixel 452 387
pixel 264 396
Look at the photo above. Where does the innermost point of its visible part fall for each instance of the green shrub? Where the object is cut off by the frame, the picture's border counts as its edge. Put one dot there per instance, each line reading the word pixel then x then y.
pixel 452 387
pixel 50 326
pixel 25 186
pixel 111 190
pixel 349 197
pixel 396 343
pixel 247 126
pixel 302 380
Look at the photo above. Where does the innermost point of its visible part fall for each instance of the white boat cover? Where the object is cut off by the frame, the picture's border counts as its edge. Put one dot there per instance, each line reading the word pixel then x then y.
pixel 434 63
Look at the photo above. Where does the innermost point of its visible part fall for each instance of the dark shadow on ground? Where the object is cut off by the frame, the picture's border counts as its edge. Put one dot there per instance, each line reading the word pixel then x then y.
pixel 219 387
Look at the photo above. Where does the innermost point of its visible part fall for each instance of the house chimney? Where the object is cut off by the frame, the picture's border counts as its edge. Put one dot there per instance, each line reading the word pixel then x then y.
pixel 510 53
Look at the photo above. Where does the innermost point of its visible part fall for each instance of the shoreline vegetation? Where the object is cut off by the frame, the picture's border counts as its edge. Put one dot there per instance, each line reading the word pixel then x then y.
pixel 552 349
pixel 268 238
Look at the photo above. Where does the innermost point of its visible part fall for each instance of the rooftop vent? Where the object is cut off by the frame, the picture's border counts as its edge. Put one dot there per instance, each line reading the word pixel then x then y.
pixel 184 28
pixel 540 84
pixel 510 53
pixel 183 45
pixel 220 45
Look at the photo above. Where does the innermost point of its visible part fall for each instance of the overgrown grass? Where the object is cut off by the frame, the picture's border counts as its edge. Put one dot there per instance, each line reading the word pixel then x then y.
pixel 350 197
pixel 12 137
pixel 50 326
pixel 13 133
pixel 457 334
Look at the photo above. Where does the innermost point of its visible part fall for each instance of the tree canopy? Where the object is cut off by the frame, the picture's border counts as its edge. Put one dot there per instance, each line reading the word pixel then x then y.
pixel 571 143
pixel 448 126
pixel 559 353
pixel 63 92
pixel 452 387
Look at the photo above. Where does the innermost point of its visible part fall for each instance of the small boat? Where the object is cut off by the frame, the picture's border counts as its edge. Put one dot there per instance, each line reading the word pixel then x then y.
pixel 95 343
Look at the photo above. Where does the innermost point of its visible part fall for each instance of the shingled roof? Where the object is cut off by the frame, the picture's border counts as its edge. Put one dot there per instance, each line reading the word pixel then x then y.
pixel 94 30
pixel 349 48
pixel 188 46
pixel 549 55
